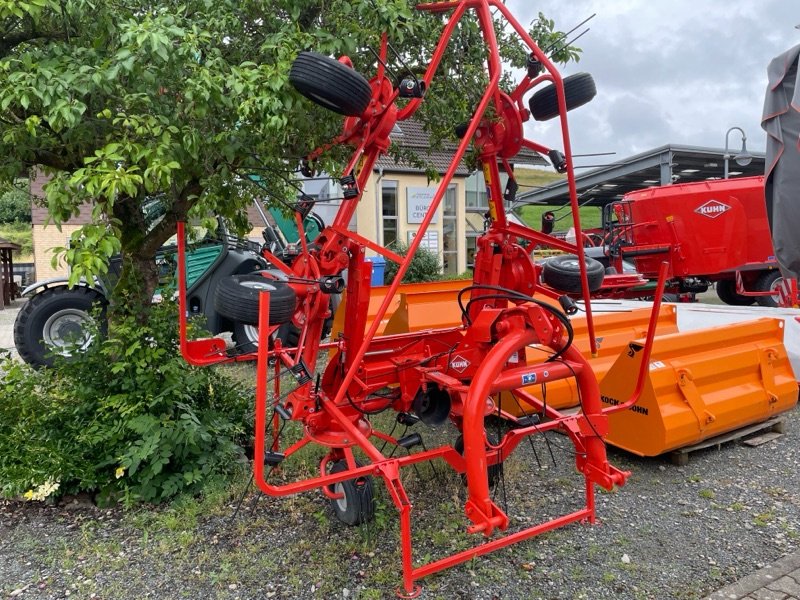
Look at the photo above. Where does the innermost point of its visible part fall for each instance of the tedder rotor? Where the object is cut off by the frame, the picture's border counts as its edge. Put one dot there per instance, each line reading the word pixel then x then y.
pixel 456 372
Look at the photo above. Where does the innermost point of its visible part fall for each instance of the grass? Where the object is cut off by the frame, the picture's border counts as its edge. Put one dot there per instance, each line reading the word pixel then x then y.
pixel 22 234
pixel 530 179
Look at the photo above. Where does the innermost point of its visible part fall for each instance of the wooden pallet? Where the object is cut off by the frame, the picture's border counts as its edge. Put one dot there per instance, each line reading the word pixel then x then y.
pixel 773 428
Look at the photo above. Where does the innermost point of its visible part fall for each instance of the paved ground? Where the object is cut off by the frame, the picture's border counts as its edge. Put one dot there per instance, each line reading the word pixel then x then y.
pixel 778 581
pixel 7 316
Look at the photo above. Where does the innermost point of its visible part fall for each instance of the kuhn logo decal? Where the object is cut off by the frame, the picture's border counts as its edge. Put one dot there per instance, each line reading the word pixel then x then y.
pixel 712 209
pixel 459 364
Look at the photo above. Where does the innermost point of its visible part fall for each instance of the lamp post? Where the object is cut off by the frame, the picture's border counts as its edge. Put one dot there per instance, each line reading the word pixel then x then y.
pixel 743 157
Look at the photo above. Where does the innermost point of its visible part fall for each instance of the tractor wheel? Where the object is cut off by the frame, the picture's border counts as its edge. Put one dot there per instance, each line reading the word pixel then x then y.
pixel 54 322
pixel 493 472
pixel 726 291
pixel 245 336
pixel 357 504
pixel 236 298
pixel 330 84
pixel 769 282
pixel 578 90
pixel 564 273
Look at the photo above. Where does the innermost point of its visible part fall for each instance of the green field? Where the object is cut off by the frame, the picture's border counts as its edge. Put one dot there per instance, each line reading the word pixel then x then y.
pixel 529 179
pixel 22 234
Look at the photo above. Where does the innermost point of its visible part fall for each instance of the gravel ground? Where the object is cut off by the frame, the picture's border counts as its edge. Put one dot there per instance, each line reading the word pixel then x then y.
pixel 671 532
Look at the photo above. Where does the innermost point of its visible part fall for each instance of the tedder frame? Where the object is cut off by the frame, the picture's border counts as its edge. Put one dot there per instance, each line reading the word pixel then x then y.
pixel 430 375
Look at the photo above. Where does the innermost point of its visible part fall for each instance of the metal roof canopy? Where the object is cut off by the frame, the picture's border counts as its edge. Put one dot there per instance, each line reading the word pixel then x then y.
pixel 661 166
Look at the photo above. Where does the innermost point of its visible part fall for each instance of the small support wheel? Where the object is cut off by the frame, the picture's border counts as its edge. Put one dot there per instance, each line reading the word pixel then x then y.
pixel 564 273
pixel 493 472
pixel 357 504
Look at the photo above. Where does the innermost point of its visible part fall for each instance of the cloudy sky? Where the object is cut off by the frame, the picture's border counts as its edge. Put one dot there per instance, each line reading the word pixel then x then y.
pixel 680 71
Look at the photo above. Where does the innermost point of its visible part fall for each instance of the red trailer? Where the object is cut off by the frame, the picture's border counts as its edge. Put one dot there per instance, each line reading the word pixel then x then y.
pixel 709 232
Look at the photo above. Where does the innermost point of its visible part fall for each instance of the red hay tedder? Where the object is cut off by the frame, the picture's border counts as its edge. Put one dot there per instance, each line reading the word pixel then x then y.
pixel 430 375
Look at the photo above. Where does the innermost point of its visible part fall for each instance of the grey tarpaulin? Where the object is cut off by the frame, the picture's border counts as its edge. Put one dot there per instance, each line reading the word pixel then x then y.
pixel 781 121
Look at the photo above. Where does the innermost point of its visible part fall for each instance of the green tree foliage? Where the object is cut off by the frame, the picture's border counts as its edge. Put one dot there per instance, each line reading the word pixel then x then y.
pixel 15 204
pixel 150 428
pixel 120 101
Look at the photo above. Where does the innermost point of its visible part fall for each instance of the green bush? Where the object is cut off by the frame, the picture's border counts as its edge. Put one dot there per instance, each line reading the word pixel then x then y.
pixel 425 266
pixel 128 420
pixel 15 206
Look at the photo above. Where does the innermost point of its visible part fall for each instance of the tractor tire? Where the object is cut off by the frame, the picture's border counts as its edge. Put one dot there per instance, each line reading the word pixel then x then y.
pixel 53 322
pixel 493 472
pixel 564 273
pixel 236 298
pixel 769 282
pixel 358 504
pixel 578 90
pixel 726 291
pixel 330 84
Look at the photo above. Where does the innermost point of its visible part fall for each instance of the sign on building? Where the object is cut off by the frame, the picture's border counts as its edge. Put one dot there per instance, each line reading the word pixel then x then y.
pixel 430 240
pixel 419 200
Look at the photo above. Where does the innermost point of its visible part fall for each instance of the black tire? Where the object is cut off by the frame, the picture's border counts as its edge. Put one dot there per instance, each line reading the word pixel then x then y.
pixel 330 84
pixel 564 273
pixel 578 90
pixel 245 338
pixel 53 321
pixel 358 504
pixel 726 291
pixel 494 472
pixel 236 298
pixel 769 282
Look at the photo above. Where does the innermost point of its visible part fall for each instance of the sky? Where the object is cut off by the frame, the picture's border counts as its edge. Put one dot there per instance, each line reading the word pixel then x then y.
pixel 676 71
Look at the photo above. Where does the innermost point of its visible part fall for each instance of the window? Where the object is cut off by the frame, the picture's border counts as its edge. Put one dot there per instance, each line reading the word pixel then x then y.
pixel 389 213
pixel 477 197
pixel 450 232
pixel 472 248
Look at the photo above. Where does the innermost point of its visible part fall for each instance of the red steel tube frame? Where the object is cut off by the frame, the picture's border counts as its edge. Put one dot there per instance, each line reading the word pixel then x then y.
pixel 584 429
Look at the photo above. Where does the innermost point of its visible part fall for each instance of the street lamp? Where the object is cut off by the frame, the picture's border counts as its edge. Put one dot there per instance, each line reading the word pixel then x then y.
pixel 743 158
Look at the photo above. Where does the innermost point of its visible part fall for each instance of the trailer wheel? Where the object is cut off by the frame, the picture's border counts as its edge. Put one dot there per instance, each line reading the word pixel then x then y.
pixel 493 472
pixel 330 84
pixel 726 291
pixel 54 321
pixel 769 282
pixel 236 298
pixel 564 273
pixel 578 90
pixel 357 504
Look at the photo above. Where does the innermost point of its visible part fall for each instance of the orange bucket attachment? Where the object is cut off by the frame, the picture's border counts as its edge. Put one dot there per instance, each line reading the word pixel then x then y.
pixel 613 331
pixel 416 306
pixel 700 384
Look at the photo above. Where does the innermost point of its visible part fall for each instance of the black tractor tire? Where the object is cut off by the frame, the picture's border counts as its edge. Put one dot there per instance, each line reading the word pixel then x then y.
pixel 358 504
pixel 236 298
pixel 493 472
pixel 726 291
pixel 769 282
pixel 564 273
pixel 330 84
pixel 578 90
pixel 54 319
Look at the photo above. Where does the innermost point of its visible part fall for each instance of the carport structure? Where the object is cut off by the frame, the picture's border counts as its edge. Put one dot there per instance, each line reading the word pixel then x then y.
pixel 661 166
pixel 7 271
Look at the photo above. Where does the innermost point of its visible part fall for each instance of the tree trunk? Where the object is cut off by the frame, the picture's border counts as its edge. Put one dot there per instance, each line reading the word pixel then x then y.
pixel 133 292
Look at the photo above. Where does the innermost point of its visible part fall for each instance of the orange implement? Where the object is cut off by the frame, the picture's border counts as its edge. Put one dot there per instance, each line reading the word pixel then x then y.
pixel 700 384
pixel 441 293
pixel 613 331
